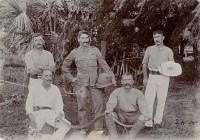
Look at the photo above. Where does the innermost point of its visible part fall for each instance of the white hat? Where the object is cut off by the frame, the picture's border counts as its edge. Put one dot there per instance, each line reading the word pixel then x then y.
pixel 170 68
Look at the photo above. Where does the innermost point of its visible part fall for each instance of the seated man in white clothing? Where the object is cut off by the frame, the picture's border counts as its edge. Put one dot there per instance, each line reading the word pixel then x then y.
pixel 44 104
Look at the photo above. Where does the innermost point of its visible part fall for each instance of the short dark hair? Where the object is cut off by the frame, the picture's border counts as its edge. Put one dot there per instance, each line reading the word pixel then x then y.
pixel 36 35
pixel 158 32
pixel 83 32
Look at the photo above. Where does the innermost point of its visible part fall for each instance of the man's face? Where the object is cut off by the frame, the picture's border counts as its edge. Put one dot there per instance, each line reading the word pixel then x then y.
pixel 47 77
pixel 38 42
pixel 127 81
pixel 158 38
pixel 84 40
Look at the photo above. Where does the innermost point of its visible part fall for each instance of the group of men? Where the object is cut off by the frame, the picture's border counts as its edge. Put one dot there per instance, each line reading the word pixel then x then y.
pixel 126 104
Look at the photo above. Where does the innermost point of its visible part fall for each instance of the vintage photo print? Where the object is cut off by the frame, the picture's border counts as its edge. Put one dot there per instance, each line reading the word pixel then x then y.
pixel 99 69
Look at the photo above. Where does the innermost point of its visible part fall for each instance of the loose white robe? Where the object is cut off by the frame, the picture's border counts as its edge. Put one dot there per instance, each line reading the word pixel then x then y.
pixel 52 98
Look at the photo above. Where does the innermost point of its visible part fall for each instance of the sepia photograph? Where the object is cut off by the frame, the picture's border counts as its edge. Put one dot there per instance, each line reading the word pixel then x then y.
pixel 99 69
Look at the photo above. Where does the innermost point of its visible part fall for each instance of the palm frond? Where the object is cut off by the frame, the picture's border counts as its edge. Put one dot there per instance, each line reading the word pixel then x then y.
pixel 36 7
pixel 18 6
pixel 15 11
pixel 7 13
pixel 13 4
pixel 22 23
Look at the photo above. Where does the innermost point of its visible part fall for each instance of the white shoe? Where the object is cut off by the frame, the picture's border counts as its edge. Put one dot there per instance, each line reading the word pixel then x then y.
pixel 97 132
pixel 82 133
pixel 149 124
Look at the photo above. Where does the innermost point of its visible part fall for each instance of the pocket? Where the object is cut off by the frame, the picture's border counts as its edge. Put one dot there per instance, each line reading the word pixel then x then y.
pixel 92 59
pixel 92 63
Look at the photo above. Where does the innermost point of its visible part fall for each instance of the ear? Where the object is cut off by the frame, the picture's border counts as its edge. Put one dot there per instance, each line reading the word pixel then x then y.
pixel 163 37
pixel 32 44
pixel 121 81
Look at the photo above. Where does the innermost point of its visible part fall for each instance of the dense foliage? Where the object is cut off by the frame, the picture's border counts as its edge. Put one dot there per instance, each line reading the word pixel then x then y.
pixel 125 25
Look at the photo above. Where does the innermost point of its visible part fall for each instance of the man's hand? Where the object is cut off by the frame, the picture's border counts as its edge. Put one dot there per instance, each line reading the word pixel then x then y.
pixel 32 121
pixel 145 81
pixel 108 111
pixel 74 80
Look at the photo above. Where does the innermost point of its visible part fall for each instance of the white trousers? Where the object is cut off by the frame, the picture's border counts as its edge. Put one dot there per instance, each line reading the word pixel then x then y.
pixel 157 85
pixel 47 116
pixel 1 74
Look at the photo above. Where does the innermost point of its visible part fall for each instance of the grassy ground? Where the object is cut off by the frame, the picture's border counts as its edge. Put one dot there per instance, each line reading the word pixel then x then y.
pixel 181 116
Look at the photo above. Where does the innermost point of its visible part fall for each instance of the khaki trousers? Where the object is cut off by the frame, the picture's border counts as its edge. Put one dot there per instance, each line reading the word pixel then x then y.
pixel 97 99
pixel 126 118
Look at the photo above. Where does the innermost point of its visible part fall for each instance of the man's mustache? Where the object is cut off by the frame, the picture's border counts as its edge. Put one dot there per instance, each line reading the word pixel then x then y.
pixel 127 84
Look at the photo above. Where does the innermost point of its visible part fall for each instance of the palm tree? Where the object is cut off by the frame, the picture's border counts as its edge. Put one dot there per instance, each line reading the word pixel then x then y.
pixel 14 14
pixel 51 17
pixel 59 20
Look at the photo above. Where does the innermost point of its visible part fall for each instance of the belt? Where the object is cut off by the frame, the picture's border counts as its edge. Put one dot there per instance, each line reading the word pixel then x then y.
pixel 37 108
pixel 127 112
pixel 154 72
pixel 34 76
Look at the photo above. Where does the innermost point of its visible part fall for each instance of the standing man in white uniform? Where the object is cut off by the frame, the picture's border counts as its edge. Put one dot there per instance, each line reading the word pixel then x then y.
pixel 156 84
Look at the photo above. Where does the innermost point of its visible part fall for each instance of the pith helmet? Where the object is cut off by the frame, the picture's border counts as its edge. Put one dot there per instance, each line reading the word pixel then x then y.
pixel 104 80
